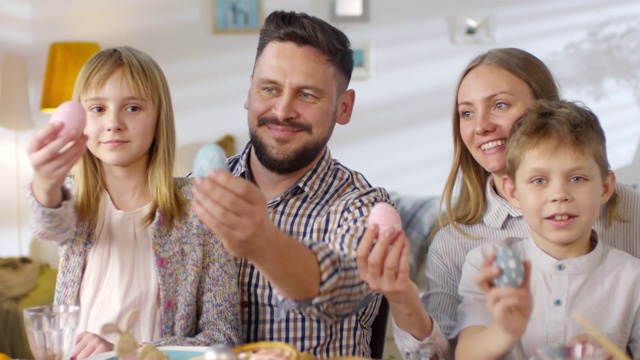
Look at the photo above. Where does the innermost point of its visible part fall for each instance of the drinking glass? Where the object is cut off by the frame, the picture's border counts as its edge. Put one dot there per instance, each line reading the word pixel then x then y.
pixel 51 330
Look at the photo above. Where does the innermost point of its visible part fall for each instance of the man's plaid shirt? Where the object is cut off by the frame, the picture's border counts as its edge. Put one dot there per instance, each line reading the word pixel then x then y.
pixel 327 210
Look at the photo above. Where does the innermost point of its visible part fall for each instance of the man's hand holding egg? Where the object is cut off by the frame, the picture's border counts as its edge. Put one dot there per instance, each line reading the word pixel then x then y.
pixel 210 157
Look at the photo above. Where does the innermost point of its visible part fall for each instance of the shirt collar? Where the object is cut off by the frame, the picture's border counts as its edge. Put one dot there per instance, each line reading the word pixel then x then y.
pixel 311 182
pixel 584 264
pixel 242 168
pixel 498 208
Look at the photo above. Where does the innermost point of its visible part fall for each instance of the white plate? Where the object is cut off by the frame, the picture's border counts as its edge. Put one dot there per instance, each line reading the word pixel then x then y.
pixel 174 353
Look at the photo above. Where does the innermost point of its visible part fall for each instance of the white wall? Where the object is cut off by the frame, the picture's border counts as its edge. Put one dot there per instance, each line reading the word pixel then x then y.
pixel 15 122
pixel 399 136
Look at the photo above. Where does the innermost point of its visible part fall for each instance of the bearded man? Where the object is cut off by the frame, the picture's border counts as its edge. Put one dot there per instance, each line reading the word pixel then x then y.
pixel 291 214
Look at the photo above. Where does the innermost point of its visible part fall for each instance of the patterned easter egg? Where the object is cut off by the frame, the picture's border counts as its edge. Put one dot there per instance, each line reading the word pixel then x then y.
pixel 511 265
pixel 384 215
pixel 209 157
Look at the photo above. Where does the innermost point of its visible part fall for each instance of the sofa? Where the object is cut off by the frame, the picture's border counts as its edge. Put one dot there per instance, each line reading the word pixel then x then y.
pixel 419 215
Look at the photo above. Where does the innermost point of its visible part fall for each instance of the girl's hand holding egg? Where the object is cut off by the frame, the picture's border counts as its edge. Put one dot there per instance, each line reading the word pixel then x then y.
pixel 72 115
pixel 54 150
pixel 511 267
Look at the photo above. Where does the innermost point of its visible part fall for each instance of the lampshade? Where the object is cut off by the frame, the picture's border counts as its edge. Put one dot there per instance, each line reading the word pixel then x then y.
pixel 64 63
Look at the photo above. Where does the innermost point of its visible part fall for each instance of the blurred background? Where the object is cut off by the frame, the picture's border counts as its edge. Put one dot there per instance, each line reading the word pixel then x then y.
pixel 412 52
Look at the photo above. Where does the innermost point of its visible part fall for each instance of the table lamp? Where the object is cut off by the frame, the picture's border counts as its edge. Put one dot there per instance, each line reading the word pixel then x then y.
pixel 63 65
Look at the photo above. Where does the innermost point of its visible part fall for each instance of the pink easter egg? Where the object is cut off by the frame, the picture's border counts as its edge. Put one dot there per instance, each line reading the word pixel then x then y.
pixel 384 215
pixel 71 114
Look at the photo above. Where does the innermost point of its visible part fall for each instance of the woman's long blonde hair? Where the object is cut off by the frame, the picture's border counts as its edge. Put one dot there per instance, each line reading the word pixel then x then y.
pixel 470 205
pixel 147 80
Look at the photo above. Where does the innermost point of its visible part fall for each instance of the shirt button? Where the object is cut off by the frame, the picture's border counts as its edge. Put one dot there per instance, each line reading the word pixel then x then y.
pixel 244 304
pixel 558 302
pixel 560 267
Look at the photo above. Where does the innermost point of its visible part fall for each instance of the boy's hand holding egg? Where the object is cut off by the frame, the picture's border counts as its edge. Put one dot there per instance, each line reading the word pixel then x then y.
pixel 511 267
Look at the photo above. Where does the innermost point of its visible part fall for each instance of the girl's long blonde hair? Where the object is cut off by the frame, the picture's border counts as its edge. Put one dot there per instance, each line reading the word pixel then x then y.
pixel 147 80
pixel 470 205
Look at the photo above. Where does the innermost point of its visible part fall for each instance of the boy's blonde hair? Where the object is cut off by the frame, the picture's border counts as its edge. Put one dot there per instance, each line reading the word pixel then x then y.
pixel 147 81
pixel 559 126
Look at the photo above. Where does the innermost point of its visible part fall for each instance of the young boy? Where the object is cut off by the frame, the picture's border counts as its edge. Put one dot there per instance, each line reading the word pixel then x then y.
pixel 558 175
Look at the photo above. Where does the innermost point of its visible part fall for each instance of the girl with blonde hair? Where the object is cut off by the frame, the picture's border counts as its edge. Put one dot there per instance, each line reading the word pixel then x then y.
pixel 129 240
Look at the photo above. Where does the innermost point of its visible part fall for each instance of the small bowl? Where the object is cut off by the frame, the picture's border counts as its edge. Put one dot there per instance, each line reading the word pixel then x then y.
pixel 245 351
pixel 569 352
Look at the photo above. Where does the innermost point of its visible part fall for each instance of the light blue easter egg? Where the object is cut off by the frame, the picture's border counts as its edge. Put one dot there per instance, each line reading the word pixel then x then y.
pixel 511 266
pixel 209 157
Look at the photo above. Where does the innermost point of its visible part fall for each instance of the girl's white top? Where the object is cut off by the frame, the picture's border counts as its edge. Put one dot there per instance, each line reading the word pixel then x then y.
pixel 120 275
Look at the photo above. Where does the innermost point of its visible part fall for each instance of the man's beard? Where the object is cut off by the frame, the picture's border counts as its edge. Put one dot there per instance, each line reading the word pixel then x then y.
pixel 281 163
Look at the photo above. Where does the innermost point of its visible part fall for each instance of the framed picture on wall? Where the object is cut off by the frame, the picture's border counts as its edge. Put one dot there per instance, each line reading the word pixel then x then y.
pixel 349 10
pixel 361 60
pixel 471 29
pixel 237 16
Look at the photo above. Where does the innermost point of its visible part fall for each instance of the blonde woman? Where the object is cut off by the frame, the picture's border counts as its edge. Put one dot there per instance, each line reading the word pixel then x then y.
pixel 494 90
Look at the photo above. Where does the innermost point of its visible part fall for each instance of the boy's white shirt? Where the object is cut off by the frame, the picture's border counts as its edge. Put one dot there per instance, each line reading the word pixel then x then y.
pixel 603 285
